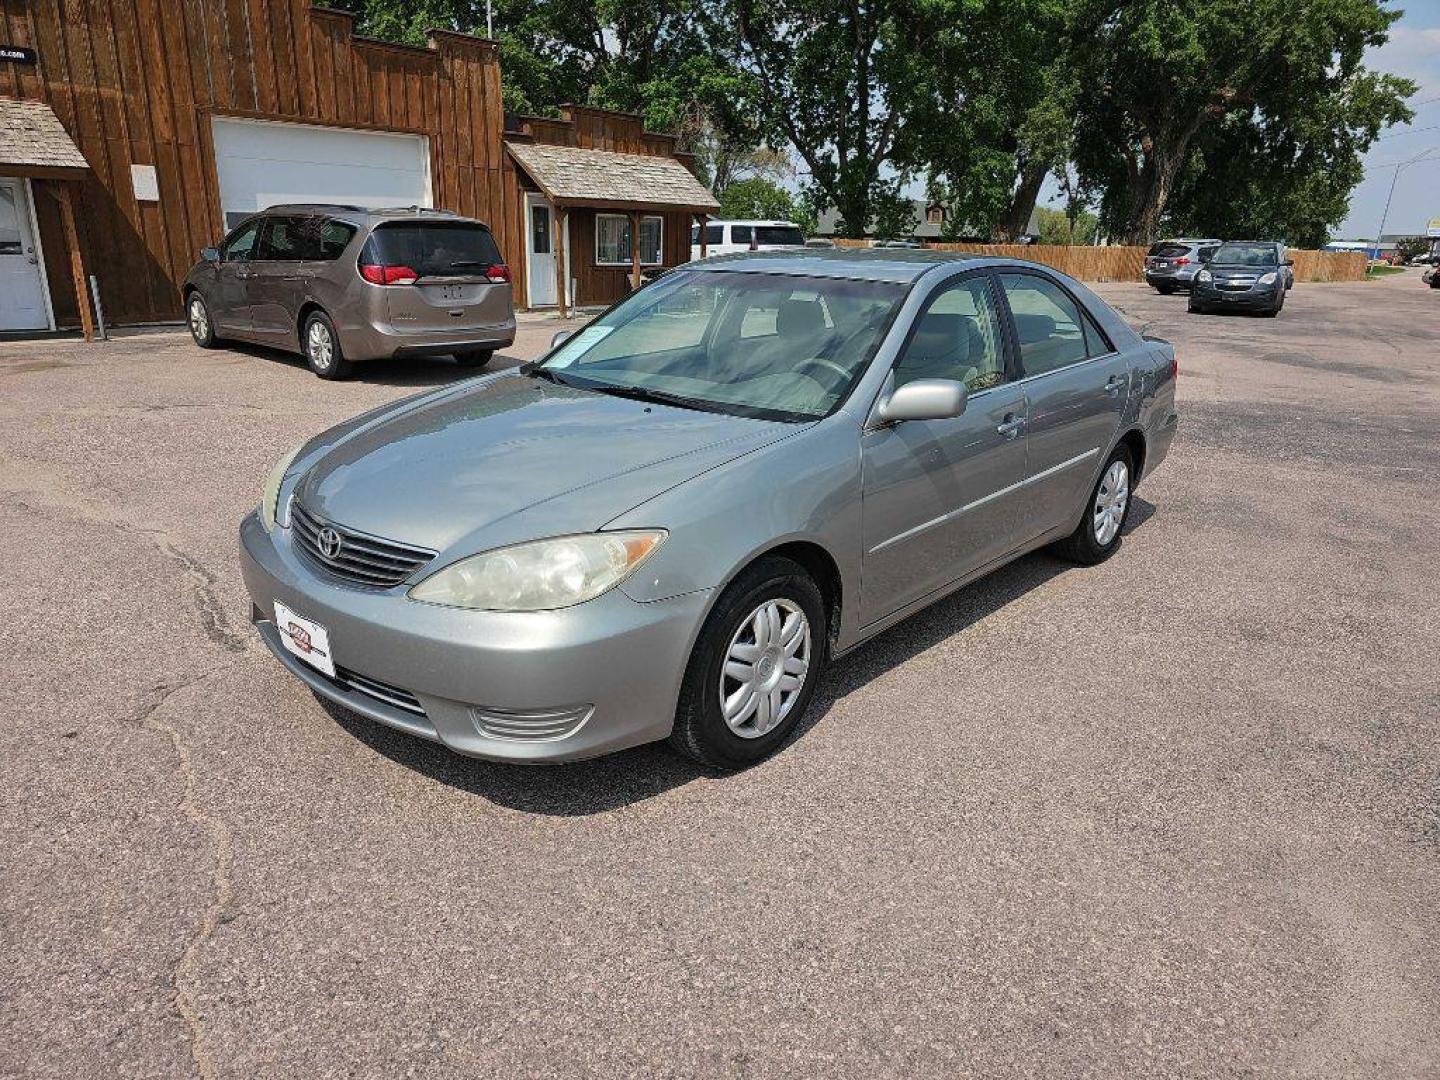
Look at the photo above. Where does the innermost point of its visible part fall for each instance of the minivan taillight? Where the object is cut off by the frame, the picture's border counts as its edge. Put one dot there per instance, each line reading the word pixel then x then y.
pixel 388 275
pixel 497 273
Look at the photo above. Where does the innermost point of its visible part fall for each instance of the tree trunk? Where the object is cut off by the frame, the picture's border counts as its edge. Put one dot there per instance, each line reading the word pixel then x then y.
pixel 1022 204
pixel 1156 181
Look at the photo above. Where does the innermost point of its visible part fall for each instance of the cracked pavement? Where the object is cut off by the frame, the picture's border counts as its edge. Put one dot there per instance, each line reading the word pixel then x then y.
pixel 1177 815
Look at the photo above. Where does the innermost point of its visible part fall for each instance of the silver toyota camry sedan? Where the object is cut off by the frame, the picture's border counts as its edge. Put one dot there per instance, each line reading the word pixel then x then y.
pixel 667 527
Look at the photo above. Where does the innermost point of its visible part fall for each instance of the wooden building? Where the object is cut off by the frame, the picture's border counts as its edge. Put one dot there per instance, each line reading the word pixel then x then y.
pixel 190 114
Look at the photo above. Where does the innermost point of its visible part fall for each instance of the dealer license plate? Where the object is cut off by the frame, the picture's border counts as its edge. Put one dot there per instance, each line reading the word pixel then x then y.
pixel 305 638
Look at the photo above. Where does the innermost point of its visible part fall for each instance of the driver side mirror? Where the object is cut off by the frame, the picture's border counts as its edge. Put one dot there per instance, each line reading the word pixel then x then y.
pixel 561 336
pixel 210 254
pixel 925 399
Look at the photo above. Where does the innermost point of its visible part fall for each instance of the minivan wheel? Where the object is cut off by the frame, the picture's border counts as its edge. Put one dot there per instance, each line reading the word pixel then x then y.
pixel 322 347
pixel 476 358
pixel 1098 534
pixel 197 314
pixel 754 667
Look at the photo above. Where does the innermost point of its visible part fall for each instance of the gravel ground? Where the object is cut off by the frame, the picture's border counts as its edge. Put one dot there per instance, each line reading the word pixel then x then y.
pixel 1176 815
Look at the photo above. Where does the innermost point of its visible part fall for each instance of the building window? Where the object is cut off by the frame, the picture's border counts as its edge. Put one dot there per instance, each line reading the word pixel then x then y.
pixel 612 240
pixel 935 215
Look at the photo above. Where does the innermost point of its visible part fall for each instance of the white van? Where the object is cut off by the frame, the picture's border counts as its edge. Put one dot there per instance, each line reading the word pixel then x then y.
pixel 728 237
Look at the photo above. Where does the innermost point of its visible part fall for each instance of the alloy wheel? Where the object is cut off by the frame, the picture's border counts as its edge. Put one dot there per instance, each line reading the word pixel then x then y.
pixel 319 345
pixel 765 668
pixel 199 319
pixel 1111 502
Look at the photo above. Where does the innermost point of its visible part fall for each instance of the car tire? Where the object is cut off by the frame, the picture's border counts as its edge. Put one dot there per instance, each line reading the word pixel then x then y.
pixel 322 347
pixel 1279 304
pixel 1195 307
pixel 197 315
pixel 752 628
pixel 1097 536
pixel 474 358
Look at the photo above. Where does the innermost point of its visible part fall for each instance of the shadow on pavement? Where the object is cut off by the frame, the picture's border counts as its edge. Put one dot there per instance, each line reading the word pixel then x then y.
pixel 417 372
pixel 631 776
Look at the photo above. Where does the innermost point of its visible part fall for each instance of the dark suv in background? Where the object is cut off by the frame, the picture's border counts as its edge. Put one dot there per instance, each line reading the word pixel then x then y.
pixel 339 284
pixel 1173 264
pixel 1248 275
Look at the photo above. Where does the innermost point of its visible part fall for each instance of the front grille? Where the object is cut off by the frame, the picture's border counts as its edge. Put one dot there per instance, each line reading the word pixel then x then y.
pixel 361 558
pixel 374 688
pixel 1235 284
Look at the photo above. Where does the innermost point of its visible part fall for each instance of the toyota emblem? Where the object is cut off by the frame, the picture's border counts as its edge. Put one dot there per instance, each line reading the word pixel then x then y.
pixel 328 542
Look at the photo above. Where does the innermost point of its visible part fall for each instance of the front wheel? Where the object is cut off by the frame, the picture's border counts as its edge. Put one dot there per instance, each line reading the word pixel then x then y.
pixel 197 314
pixel 322 347
pixel 754 667
pixel 1098 534
pixel 1195 307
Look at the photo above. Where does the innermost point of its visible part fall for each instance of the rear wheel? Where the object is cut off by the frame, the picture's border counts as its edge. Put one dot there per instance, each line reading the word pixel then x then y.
pixel 476 358
pixel 754 667
pixel 1165 290
pixel 197 314
pixel 1098 534
pixel 322 347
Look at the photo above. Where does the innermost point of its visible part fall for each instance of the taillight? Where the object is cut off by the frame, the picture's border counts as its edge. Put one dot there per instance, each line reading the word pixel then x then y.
pixel 1182 261
pixel 388 275
pixel 497 273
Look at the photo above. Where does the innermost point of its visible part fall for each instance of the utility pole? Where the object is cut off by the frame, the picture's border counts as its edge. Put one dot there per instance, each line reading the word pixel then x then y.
pixel 1401 167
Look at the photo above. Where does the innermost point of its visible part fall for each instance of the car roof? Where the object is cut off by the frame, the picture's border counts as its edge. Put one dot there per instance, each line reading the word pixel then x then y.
pixel 374 214
pixel 901 265
pixel 750 221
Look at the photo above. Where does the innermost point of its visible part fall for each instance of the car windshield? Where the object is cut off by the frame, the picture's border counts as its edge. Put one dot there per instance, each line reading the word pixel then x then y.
pixel 433 248
pixel 774 346
pixel 1247 255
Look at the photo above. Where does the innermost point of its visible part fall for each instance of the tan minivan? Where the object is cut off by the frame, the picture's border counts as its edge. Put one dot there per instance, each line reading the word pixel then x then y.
pixel 339 284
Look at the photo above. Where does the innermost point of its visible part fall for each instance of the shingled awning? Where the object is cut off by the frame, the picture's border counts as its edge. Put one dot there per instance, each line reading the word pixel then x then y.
pixel 34 143
pixel 602 178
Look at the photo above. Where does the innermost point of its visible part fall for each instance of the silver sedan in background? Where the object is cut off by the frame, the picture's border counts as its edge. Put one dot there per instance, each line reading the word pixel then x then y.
pixel 668 526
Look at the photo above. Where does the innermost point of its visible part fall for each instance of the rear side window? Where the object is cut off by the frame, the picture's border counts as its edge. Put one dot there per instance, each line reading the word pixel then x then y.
pixel 433 248
pixel 1208 252
pixel 778 234
pixel 1047 323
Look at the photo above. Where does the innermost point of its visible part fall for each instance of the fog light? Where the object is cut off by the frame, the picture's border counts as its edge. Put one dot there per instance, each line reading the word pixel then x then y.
pixel 539 725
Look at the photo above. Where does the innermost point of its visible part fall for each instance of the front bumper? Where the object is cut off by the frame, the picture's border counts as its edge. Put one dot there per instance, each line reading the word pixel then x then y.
pixel 1260 297
pixel 622 659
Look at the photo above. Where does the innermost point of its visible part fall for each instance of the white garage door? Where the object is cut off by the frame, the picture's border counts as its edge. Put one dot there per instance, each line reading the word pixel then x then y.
pixel 262 163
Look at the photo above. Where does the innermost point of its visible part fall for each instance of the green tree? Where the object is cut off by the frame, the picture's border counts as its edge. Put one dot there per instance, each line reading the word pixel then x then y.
pixel 1057 227
pixel 849 85
pixel 756 197
pixel 1163 76
pixel 1408 247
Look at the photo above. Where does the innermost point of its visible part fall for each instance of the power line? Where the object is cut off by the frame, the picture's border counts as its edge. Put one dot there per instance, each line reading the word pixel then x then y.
pixel 1401 134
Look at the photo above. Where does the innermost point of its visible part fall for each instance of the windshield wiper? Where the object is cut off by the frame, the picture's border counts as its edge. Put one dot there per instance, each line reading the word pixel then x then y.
pixel 536 371
pixel 637 393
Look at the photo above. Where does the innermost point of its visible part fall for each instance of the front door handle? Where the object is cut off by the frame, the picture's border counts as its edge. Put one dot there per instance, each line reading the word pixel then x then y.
pixel 1114 385
pixel 1011 426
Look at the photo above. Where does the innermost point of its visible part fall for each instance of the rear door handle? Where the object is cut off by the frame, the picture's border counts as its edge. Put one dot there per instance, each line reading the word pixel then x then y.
pixel 1011 426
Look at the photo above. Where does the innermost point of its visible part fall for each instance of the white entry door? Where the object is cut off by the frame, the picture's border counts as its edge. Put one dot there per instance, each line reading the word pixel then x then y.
pixel 23 304
pixel 540 251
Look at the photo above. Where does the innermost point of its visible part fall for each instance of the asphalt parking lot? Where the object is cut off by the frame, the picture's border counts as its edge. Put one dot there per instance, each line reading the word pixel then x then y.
pixel 1175 815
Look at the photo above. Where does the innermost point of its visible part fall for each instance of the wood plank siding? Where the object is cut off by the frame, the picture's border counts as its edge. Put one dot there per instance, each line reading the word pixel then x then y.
pixel 138 82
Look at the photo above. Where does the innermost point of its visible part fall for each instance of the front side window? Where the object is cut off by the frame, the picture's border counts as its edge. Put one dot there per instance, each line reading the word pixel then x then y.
pixel 612 240
pixel 957 338
pixel 240 245
pixel 1247 255
pixel 775 346
pixel 1047 323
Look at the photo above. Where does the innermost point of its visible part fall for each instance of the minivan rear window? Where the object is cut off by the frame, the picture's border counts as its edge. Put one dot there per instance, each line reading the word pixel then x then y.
pixel 433 248
pixel 1169 251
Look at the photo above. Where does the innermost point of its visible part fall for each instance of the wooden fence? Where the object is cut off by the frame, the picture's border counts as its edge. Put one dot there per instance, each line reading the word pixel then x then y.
pixel 1128 263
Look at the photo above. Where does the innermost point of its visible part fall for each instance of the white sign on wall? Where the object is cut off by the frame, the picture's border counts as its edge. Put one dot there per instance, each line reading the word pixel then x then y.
pixel 145 183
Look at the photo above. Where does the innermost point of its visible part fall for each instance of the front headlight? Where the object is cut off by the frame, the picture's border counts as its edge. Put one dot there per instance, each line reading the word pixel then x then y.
pixel 1268 279
pixel 543 574
pixel 1203 275
pixel 270 496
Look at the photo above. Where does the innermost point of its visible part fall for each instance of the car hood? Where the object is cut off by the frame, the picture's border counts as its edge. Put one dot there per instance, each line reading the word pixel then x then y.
pixel 489 464
pixel 1239 269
